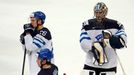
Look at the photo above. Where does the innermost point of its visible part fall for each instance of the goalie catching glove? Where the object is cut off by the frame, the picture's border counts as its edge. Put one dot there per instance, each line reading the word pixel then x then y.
pixel 113 41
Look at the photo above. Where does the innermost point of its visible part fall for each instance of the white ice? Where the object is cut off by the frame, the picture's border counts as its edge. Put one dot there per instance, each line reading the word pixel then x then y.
pixel 64 18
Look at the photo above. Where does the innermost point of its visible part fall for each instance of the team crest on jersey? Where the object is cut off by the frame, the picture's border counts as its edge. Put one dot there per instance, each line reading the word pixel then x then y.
pixel 43 33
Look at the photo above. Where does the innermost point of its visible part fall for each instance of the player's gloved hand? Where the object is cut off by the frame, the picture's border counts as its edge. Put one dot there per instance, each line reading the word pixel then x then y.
pixel 28 28
pixel 113 41
pixel 22 38
pixel 117 42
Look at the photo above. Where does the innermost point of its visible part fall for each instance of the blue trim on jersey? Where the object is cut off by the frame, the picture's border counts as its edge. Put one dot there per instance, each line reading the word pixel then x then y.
pixel 40 41
pixel 83 33
pixel 88 38
pixel 120 32
pixel 38 45
pixel 98 37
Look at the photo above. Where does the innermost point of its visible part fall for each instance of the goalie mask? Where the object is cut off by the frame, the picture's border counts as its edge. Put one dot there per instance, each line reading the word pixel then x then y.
pixel 100 11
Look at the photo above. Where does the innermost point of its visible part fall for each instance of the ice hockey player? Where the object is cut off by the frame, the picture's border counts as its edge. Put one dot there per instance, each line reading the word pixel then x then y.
pixel 99 38
pixel 34 38
pixel 44 62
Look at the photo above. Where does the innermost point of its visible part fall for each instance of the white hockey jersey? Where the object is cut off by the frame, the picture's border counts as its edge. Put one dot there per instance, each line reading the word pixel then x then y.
pixel 34 44
pixel 91 32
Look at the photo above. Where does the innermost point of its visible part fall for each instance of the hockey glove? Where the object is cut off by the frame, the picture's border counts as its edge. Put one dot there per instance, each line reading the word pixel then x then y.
pixel 116 42
pixel 22 38
pixel 28 28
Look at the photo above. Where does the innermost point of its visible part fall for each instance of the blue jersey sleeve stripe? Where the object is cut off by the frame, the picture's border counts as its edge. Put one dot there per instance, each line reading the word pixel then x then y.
pixel 120 31
pixel 121 34
pixel 38 38
pixel 40 41
pixel 83 33
pixel 88 38
pixel 39 46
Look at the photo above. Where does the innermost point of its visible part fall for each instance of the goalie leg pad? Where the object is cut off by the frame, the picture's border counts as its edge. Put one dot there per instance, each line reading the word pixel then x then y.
pixel 87 72
pixel 107 73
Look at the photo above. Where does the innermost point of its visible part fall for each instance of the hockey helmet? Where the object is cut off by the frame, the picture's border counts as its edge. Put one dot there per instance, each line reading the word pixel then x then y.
pixel 101 7
pixel 45 54
pixel 39 15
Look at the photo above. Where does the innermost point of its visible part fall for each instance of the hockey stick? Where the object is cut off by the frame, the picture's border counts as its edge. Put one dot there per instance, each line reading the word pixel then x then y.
pixel 124 73
pixel 24 58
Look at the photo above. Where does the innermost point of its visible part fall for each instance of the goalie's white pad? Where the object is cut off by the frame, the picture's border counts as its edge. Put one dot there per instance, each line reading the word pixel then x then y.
pixel 107 73
pixel 87 72
pixel 91 72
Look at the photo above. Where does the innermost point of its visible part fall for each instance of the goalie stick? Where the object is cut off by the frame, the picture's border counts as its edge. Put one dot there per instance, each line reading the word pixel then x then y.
pixel 124 73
